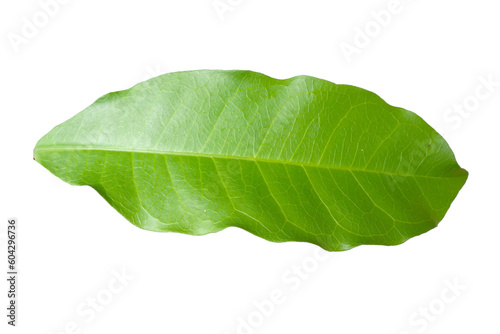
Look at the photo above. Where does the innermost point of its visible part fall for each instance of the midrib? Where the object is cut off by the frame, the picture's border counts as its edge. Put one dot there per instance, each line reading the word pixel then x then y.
pixel 218 156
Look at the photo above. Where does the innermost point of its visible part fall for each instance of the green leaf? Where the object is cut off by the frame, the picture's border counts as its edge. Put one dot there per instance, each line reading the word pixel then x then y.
pixel 300 159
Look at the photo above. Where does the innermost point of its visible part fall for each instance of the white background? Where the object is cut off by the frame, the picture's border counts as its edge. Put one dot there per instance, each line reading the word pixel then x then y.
pixel 431 56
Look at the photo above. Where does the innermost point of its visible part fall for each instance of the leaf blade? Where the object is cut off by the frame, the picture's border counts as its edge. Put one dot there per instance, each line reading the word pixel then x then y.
pixel 299 159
